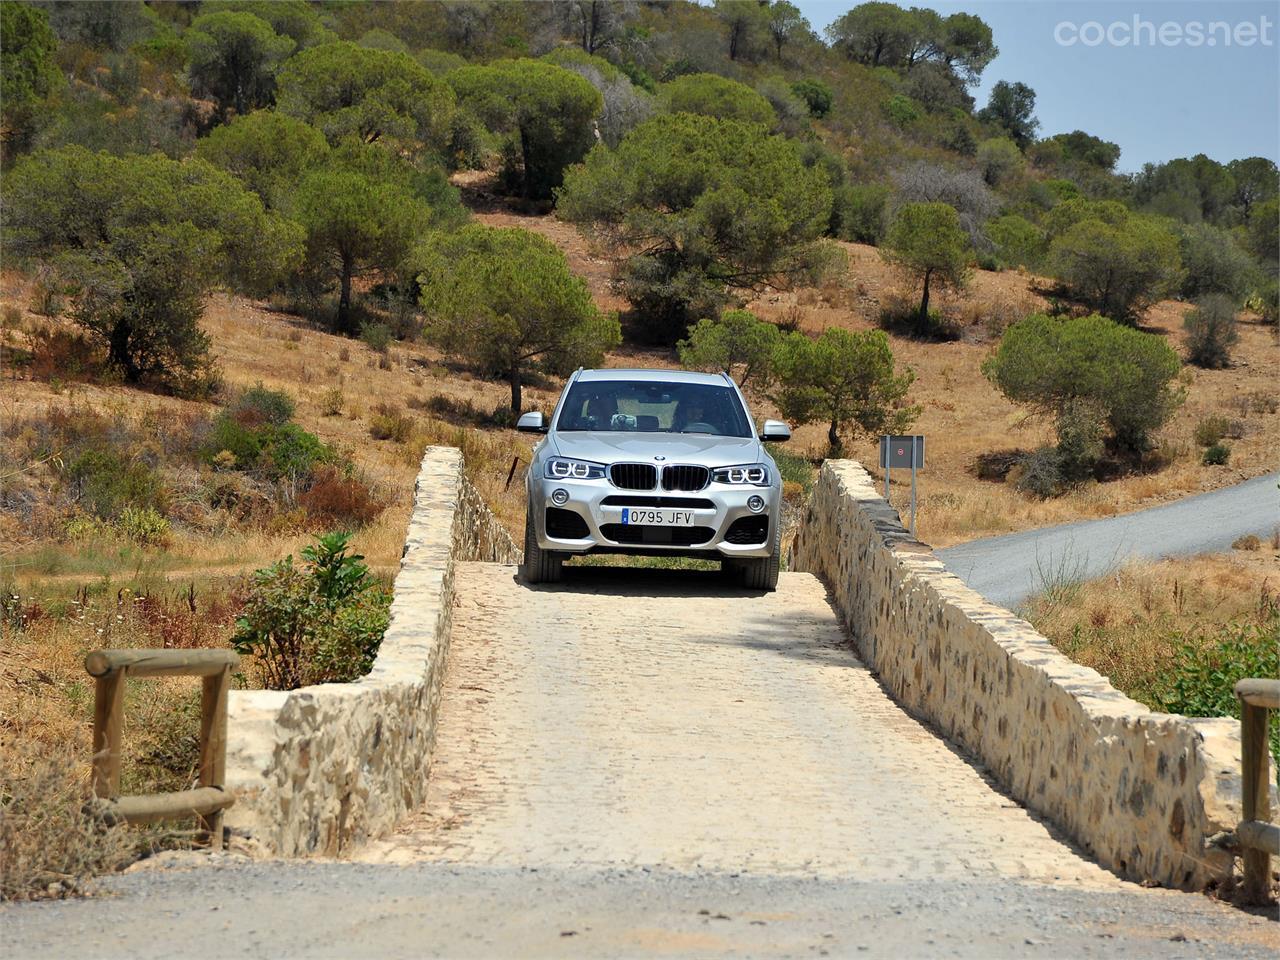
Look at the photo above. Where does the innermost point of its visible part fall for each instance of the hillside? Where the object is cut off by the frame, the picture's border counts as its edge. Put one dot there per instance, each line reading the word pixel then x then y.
pixel 965 419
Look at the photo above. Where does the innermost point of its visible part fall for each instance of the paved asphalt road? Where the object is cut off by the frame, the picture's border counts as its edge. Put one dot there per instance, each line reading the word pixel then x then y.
pixel 1009 569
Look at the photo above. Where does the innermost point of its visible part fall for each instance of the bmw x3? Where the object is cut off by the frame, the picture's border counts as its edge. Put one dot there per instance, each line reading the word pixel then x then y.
pixel 657 462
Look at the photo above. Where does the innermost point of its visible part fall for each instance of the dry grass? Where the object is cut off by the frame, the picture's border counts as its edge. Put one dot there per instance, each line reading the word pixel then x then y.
pixel 51 847
pixel 1128 625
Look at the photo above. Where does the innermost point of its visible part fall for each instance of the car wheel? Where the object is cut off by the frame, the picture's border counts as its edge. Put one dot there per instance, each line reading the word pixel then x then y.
pixel 761 573
pixel 538 566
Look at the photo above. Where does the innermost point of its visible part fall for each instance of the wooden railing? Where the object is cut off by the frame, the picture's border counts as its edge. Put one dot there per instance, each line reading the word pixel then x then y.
pixel 1256 836
pixel 110 668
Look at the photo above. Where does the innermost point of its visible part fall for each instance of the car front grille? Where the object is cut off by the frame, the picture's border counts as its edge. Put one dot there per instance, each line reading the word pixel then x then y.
pixel 747 530
pixel 657 536
pixel 684 477
pixel 566 524
pixel 634 476
pixel 680 503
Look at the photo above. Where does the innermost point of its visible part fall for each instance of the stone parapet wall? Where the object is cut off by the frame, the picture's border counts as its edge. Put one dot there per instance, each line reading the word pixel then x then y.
pixel 1141 792
pixel 318 769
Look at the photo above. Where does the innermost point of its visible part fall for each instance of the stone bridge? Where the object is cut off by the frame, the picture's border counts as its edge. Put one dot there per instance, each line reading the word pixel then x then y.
pixel 873 717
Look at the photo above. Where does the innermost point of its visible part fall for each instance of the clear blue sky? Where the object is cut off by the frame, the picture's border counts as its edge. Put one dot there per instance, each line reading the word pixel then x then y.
pixel 1157 101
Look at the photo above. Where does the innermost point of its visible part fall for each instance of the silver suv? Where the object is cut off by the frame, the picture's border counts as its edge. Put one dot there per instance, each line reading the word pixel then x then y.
pixel 653 462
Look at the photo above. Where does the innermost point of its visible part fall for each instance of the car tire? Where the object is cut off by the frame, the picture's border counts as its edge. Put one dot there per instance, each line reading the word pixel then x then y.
pixel 761 573
pixel 538 565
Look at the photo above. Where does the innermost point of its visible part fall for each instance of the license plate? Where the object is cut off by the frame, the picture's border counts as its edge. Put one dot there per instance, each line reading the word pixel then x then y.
pixel 647 517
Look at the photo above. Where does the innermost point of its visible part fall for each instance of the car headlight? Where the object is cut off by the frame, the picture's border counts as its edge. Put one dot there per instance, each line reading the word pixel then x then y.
pixel 562 468
pixel 755 474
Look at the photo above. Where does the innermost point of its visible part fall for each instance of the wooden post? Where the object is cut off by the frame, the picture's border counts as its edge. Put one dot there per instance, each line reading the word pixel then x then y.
pixel 1256 799
pixel 213 745
pixel 108 728
pixel 109 668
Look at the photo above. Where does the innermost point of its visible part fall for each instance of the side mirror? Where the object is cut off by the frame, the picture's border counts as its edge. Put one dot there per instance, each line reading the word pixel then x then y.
pixel 531 422
pixel 775 431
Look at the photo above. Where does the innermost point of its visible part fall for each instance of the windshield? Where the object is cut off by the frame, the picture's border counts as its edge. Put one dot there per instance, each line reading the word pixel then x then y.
pixel 646 406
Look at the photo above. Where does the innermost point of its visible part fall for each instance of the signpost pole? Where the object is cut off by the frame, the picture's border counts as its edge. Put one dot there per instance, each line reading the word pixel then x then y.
pixel 886 458
pixel 913 498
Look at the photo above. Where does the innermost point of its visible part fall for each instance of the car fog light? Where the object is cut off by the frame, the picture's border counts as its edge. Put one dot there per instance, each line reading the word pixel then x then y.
pixel 560 497
pixel 756 504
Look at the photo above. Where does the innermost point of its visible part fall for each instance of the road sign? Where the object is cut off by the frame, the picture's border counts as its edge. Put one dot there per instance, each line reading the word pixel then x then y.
pixel 905 451
pixel 902 452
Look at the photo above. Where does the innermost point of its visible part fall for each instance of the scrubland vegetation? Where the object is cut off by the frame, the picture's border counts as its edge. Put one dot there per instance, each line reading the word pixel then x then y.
pixel 259 254
pixel 1174 635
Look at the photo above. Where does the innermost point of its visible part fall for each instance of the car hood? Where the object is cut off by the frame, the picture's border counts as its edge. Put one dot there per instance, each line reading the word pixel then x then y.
pixel 610 447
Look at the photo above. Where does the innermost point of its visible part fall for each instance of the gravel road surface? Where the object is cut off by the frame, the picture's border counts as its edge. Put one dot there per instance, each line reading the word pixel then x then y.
pixel 1010 568
pixel 285 911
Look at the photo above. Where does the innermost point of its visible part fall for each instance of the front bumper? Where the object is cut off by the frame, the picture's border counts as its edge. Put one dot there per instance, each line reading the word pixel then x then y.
pixel 715 508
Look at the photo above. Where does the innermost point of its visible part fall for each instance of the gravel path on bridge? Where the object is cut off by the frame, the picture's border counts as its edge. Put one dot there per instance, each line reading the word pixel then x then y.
pixel 641 764
pixel 632 717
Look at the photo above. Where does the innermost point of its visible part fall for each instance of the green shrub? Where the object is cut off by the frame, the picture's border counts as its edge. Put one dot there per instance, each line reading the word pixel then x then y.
pixel 318 624
pixel 1205 671
pixel 1046 362
pixel 293 452
pixel 1216 455
pixel 260 405
pixel 268 450
pixel 815 94
pixel 1210 430
pixel 901 110
pixel 858 212
pixel 1213 263
pixel 1265 301
pixel 1211 331
pixel 715 96
pixel 141 525
pixel 81 528
pixel 144 526
pixel 1115 262
pixel 1019 242
pixel 998 159
pixel 233 446
pixel 106 482
pixel 376 336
